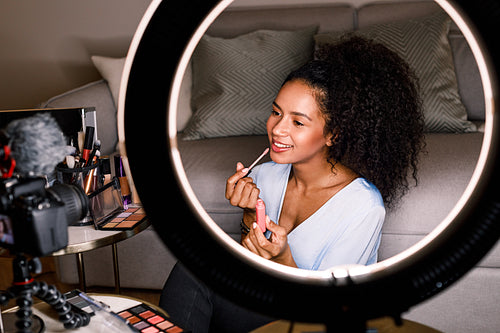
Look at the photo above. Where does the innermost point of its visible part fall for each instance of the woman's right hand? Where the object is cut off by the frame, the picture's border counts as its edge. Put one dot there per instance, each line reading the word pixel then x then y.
pixel 241 191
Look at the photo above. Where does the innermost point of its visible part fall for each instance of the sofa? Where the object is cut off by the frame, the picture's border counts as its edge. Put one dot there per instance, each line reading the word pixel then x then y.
pixel 211 144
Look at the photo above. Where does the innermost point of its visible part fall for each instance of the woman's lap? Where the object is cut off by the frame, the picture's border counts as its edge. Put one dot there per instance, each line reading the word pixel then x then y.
pixel 192 305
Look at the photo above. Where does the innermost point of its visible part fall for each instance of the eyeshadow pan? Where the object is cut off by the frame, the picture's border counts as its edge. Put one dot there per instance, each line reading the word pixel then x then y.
pixel 124 214
pixel 126 224
pixel 151 329
pixel 110 225
pixel 117 219
pixel 164 325
pixel 138 309
pixel 141 325
pixel 133 319
pixel 175 329
pixel 155 320
pixel 147 314
pixel 136 217
pixel 125 314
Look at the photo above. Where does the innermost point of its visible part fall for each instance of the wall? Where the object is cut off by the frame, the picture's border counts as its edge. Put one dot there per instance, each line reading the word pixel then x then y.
pixel 46 45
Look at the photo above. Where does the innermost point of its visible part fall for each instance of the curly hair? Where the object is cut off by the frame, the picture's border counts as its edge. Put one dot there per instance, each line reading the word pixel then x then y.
pixel 370 100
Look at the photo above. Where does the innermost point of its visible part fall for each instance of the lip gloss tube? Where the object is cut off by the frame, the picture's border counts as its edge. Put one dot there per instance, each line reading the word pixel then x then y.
pixel 260 208
pixel 122 177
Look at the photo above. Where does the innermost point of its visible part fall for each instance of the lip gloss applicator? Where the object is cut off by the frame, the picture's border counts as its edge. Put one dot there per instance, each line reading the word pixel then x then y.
pixel 258 159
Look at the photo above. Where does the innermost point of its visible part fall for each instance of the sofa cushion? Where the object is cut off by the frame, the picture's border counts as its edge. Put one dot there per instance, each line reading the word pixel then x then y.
pixel 235 80
pixel 469 305
pixel 423 43
pixel 444 173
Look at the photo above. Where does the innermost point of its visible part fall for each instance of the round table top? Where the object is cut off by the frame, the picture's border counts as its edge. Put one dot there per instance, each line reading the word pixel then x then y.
pixel 117 303
pixel 86 238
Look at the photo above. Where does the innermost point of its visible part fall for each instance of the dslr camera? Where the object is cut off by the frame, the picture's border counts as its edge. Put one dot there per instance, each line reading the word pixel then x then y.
pixel 34 219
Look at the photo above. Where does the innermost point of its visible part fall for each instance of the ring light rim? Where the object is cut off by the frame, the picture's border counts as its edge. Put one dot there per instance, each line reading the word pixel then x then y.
pixel 337 276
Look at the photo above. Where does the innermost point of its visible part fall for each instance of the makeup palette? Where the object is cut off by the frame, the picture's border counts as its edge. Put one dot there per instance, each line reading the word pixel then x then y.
pixel 77 303
pixel 109 212
pixel 127 219
pixel 145 319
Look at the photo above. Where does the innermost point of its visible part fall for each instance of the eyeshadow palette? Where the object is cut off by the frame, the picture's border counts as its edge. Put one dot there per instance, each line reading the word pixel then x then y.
pixel 109 212
pixel 77 303
pixel 127 219
pixel 145 319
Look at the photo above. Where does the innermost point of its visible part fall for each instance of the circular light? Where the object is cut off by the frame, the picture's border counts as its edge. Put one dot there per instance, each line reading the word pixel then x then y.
pixel 158 57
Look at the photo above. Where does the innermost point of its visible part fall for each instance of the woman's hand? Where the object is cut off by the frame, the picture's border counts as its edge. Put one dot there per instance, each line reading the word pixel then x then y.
pixel 241 191
pixel 275 248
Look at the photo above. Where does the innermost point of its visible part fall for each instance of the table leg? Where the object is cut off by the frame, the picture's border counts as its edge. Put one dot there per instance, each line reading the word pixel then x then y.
pixel 116 268
pixel 81 272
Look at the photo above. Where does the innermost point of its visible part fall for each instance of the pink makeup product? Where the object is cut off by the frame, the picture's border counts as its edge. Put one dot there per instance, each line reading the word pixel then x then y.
pixel 261 214
pixel 258 159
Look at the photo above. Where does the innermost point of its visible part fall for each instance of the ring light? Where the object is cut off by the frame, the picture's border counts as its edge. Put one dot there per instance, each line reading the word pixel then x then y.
pixel 158 56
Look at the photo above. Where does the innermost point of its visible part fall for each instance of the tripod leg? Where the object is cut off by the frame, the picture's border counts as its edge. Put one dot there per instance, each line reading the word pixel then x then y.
pixel 24 301
pixel 53 297
pixel 24 287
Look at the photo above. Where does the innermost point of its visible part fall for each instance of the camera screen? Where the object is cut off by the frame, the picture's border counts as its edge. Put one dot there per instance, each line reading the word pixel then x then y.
pixel 6 232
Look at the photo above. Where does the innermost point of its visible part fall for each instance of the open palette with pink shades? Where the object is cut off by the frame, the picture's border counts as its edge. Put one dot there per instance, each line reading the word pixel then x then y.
pixel 125 220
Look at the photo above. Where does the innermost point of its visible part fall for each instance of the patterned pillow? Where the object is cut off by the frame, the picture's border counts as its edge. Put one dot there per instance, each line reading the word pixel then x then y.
pixel 423 43
pixel 235 80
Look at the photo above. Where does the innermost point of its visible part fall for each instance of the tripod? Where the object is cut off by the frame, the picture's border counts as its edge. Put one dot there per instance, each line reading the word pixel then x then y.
pixel 25 287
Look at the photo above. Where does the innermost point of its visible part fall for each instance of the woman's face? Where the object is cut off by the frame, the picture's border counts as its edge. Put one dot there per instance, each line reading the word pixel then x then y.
pixel 296 126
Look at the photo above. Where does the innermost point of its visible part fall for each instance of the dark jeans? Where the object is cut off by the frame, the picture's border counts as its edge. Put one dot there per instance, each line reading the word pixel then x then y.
pixel 193 306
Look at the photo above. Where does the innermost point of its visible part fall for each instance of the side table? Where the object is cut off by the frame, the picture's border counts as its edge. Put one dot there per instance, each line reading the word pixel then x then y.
pixel 86 238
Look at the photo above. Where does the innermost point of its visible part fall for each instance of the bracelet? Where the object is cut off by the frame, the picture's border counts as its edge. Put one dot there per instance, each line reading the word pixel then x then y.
pixel 244 228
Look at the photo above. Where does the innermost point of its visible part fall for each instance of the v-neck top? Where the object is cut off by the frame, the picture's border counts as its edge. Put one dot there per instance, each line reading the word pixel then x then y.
pixel 344 230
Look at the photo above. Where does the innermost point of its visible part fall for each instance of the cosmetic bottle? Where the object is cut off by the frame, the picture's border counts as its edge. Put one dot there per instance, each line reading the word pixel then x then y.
pixel 122 177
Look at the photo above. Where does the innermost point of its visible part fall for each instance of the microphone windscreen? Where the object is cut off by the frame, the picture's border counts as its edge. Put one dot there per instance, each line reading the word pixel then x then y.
pixel 37 144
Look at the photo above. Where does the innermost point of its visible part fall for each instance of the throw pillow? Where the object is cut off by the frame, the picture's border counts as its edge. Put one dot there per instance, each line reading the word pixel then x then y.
pixel 111 70
pixel 423 43
pixel 235 80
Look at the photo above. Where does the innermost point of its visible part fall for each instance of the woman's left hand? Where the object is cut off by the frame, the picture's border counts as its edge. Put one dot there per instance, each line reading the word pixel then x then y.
pixel 275 248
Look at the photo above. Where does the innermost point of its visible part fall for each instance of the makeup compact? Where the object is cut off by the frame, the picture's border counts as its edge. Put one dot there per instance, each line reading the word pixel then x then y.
pixel 145 319
pixel 78 303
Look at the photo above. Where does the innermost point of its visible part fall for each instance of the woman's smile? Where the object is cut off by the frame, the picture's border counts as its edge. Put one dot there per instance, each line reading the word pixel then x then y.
pixel 279 147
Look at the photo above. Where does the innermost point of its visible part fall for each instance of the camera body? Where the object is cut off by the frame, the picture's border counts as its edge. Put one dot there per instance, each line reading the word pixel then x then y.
pixel 35 218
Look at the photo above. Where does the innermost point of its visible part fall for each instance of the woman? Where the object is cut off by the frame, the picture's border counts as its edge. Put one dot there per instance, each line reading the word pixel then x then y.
pixel 344 132
pixel 5 232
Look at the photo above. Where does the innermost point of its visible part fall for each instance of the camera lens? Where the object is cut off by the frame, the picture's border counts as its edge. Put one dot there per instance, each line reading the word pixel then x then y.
pixel 76 203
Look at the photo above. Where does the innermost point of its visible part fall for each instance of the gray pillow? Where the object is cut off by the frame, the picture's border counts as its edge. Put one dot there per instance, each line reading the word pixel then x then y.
pixel 236 80
pixel 423 43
